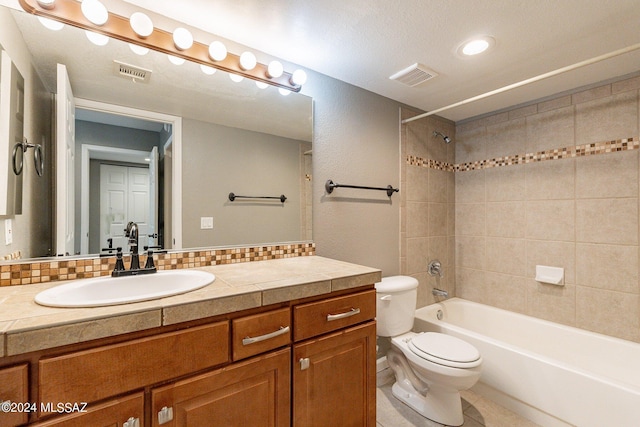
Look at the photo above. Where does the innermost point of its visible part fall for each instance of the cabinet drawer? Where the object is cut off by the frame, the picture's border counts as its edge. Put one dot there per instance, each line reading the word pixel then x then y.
pixel 14 388
pixel 94 374
pixel 332 314
pixel 110 413
pixel 261 332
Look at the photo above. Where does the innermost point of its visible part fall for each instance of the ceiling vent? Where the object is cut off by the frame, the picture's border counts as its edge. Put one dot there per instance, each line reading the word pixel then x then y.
pixel 127 71
pixel 414 75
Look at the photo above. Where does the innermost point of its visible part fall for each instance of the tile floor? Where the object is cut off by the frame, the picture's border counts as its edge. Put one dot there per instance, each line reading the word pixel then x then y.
pixel 477 411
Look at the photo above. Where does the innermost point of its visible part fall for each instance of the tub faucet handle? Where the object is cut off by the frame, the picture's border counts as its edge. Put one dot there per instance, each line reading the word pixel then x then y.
pixel 435 268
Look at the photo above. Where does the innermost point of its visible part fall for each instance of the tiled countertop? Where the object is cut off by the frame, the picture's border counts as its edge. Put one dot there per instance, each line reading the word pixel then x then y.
pixel 26 326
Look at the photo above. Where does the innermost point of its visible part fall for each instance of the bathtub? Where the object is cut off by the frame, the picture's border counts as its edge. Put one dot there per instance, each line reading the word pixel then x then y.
pixel 552 374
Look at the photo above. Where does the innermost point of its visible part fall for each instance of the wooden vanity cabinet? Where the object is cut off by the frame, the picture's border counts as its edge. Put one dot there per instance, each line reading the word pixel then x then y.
pixel 14 389
pixel 334 374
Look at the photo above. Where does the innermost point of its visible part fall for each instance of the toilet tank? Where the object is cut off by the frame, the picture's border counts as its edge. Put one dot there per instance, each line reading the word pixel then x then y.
pixel 396 298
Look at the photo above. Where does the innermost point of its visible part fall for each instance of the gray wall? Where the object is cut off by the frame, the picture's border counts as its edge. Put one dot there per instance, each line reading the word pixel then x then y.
pixel 218 160
pixel 355 141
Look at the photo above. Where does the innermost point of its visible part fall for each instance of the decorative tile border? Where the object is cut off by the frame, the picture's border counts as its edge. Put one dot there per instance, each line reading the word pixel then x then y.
pixel 49 271
pixel 519 159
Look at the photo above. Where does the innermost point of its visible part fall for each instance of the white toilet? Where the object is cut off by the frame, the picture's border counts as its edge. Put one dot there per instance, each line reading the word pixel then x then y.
pixel 430 368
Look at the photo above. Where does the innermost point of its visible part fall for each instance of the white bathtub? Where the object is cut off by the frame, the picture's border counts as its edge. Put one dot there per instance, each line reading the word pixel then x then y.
pixel 552 374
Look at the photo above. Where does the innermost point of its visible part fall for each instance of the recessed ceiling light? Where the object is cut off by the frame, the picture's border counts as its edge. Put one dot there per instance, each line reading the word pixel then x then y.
pixel 476 45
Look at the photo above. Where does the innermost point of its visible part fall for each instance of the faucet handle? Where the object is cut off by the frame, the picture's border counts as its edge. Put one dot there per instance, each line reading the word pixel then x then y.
pixel 119 262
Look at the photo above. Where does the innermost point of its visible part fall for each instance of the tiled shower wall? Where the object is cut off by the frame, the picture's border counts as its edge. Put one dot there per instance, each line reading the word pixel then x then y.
pixel 578 210
pixel 427 204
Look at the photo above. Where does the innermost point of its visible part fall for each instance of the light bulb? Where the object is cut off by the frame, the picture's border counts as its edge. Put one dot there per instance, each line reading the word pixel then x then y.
pixel 182 38
pixel 141 24
pixel 175 60
pixel 261 85
pixel 50 23
pixel 47 4
pixel 298 78
pixel 248 61
pixel 217 51
pixel 283 91
pixel 207 70
pixel 475 47
pixel 97 39
pixel 138 50
pixel 94 11
pixel 236 78
pixel 275 69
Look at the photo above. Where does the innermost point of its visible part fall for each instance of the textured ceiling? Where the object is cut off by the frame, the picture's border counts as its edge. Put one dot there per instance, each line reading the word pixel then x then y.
pixel 363 42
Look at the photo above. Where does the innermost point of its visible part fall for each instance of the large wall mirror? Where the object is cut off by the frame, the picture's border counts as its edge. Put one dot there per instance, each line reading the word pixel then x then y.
pixel 165 151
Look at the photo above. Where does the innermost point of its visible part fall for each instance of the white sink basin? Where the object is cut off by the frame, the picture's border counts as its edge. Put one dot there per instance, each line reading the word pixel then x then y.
pixel 103 291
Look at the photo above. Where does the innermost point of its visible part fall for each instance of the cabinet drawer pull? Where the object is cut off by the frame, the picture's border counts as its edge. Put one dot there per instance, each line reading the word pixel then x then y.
pixel 352 312
pixel 250 340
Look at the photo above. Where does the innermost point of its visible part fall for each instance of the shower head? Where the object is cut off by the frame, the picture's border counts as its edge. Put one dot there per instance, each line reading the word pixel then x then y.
pixel 445 137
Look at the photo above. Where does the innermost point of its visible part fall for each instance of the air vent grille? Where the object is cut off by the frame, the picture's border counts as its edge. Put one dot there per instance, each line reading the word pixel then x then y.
pixel 127 71
pixel 414 75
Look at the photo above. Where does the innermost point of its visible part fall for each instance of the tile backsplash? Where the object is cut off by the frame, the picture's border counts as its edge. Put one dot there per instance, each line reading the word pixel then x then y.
pixel 26 273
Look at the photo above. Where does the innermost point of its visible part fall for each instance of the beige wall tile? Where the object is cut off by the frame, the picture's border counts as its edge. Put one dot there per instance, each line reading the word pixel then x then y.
pixel 607 221
pixel 555 103
pixel 606 119
pixel 552 254
pixel 417 254
pixel 527 110
pixel 437 219
pixel 608 312
pixel 553 303
pixel 470 186
pixel 438 190
pixel 470 252
pixel 506 256
pixel 417 184
pixel 607 175
pixel 417 219
pixel 470 144
pixel 506 292
pixel 506 219
pixel 505 183
pixel 612 267
pixel 626 85
pixel 554 179
pixel 471 284
pixel 550 129
pixel 470 219
pixel 506 139
pixel 551 220
pixel 438 249
pixel 591 94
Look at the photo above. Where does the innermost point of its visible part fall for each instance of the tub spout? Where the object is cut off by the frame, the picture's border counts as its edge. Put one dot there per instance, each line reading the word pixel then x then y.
pixel 439 293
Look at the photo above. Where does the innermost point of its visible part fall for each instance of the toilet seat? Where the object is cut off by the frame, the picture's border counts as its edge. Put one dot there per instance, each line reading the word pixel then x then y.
pixel 445 350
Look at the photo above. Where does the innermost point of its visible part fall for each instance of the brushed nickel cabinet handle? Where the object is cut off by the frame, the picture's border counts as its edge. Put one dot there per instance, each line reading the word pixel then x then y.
pixel 352 312
pixel 250 340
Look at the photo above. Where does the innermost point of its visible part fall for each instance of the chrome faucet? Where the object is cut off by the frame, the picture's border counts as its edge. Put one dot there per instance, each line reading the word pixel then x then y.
pixel 435 268
pixel 439 293
pixel 132 233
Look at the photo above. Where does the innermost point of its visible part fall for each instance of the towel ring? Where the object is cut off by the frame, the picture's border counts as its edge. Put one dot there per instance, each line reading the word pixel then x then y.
pixel 18 157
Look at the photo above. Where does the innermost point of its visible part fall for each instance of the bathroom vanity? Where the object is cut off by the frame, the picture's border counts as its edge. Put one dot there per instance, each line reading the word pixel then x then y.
pixel 287 342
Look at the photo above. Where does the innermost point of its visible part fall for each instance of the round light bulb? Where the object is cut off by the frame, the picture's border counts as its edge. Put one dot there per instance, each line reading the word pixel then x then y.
pixel 248 61
pixel 94 11
pixel 217 51
pixel 175 60
pixel 97 39
pixel 261 85
pixel 141 24
pixel 138 50
pixel 275 69
pixel 236 78
pixel 207 70
pixel 298 78
pixel 50 23
pixel 47 4
pixel 182 38
pixel 475 47
pixel 283 91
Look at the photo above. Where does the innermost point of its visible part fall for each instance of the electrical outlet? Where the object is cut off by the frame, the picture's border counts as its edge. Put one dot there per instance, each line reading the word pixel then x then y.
pixel 8 232
pixel 206 222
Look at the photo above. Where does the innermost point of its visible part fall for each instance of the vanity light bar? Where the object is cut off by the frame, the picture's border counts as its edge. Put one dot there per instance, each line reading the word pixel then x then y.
pixel 69 12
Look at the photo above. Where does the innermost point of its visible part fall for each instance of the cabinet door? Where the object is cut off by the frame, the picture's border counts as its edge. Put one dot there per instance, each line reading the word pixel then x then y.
pixel 122 412
pixel 251 393
pixel 13 388
pixel 334 379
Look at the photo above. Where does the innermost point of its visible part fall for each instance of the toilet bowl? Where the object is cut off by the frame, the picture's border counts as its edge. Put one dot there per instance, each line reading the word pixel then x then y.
pixel 430 368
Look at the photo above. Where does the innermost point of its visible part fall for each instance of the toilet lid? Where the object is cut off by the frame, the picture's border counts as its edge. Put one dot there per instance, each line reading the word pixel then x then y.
pixel 445 350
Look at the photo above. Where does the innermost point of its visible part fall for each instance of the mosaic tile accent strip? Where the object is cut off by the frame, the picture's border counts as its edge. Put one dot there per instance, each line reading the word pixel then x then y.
pixel 50 271
pixel 519 159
